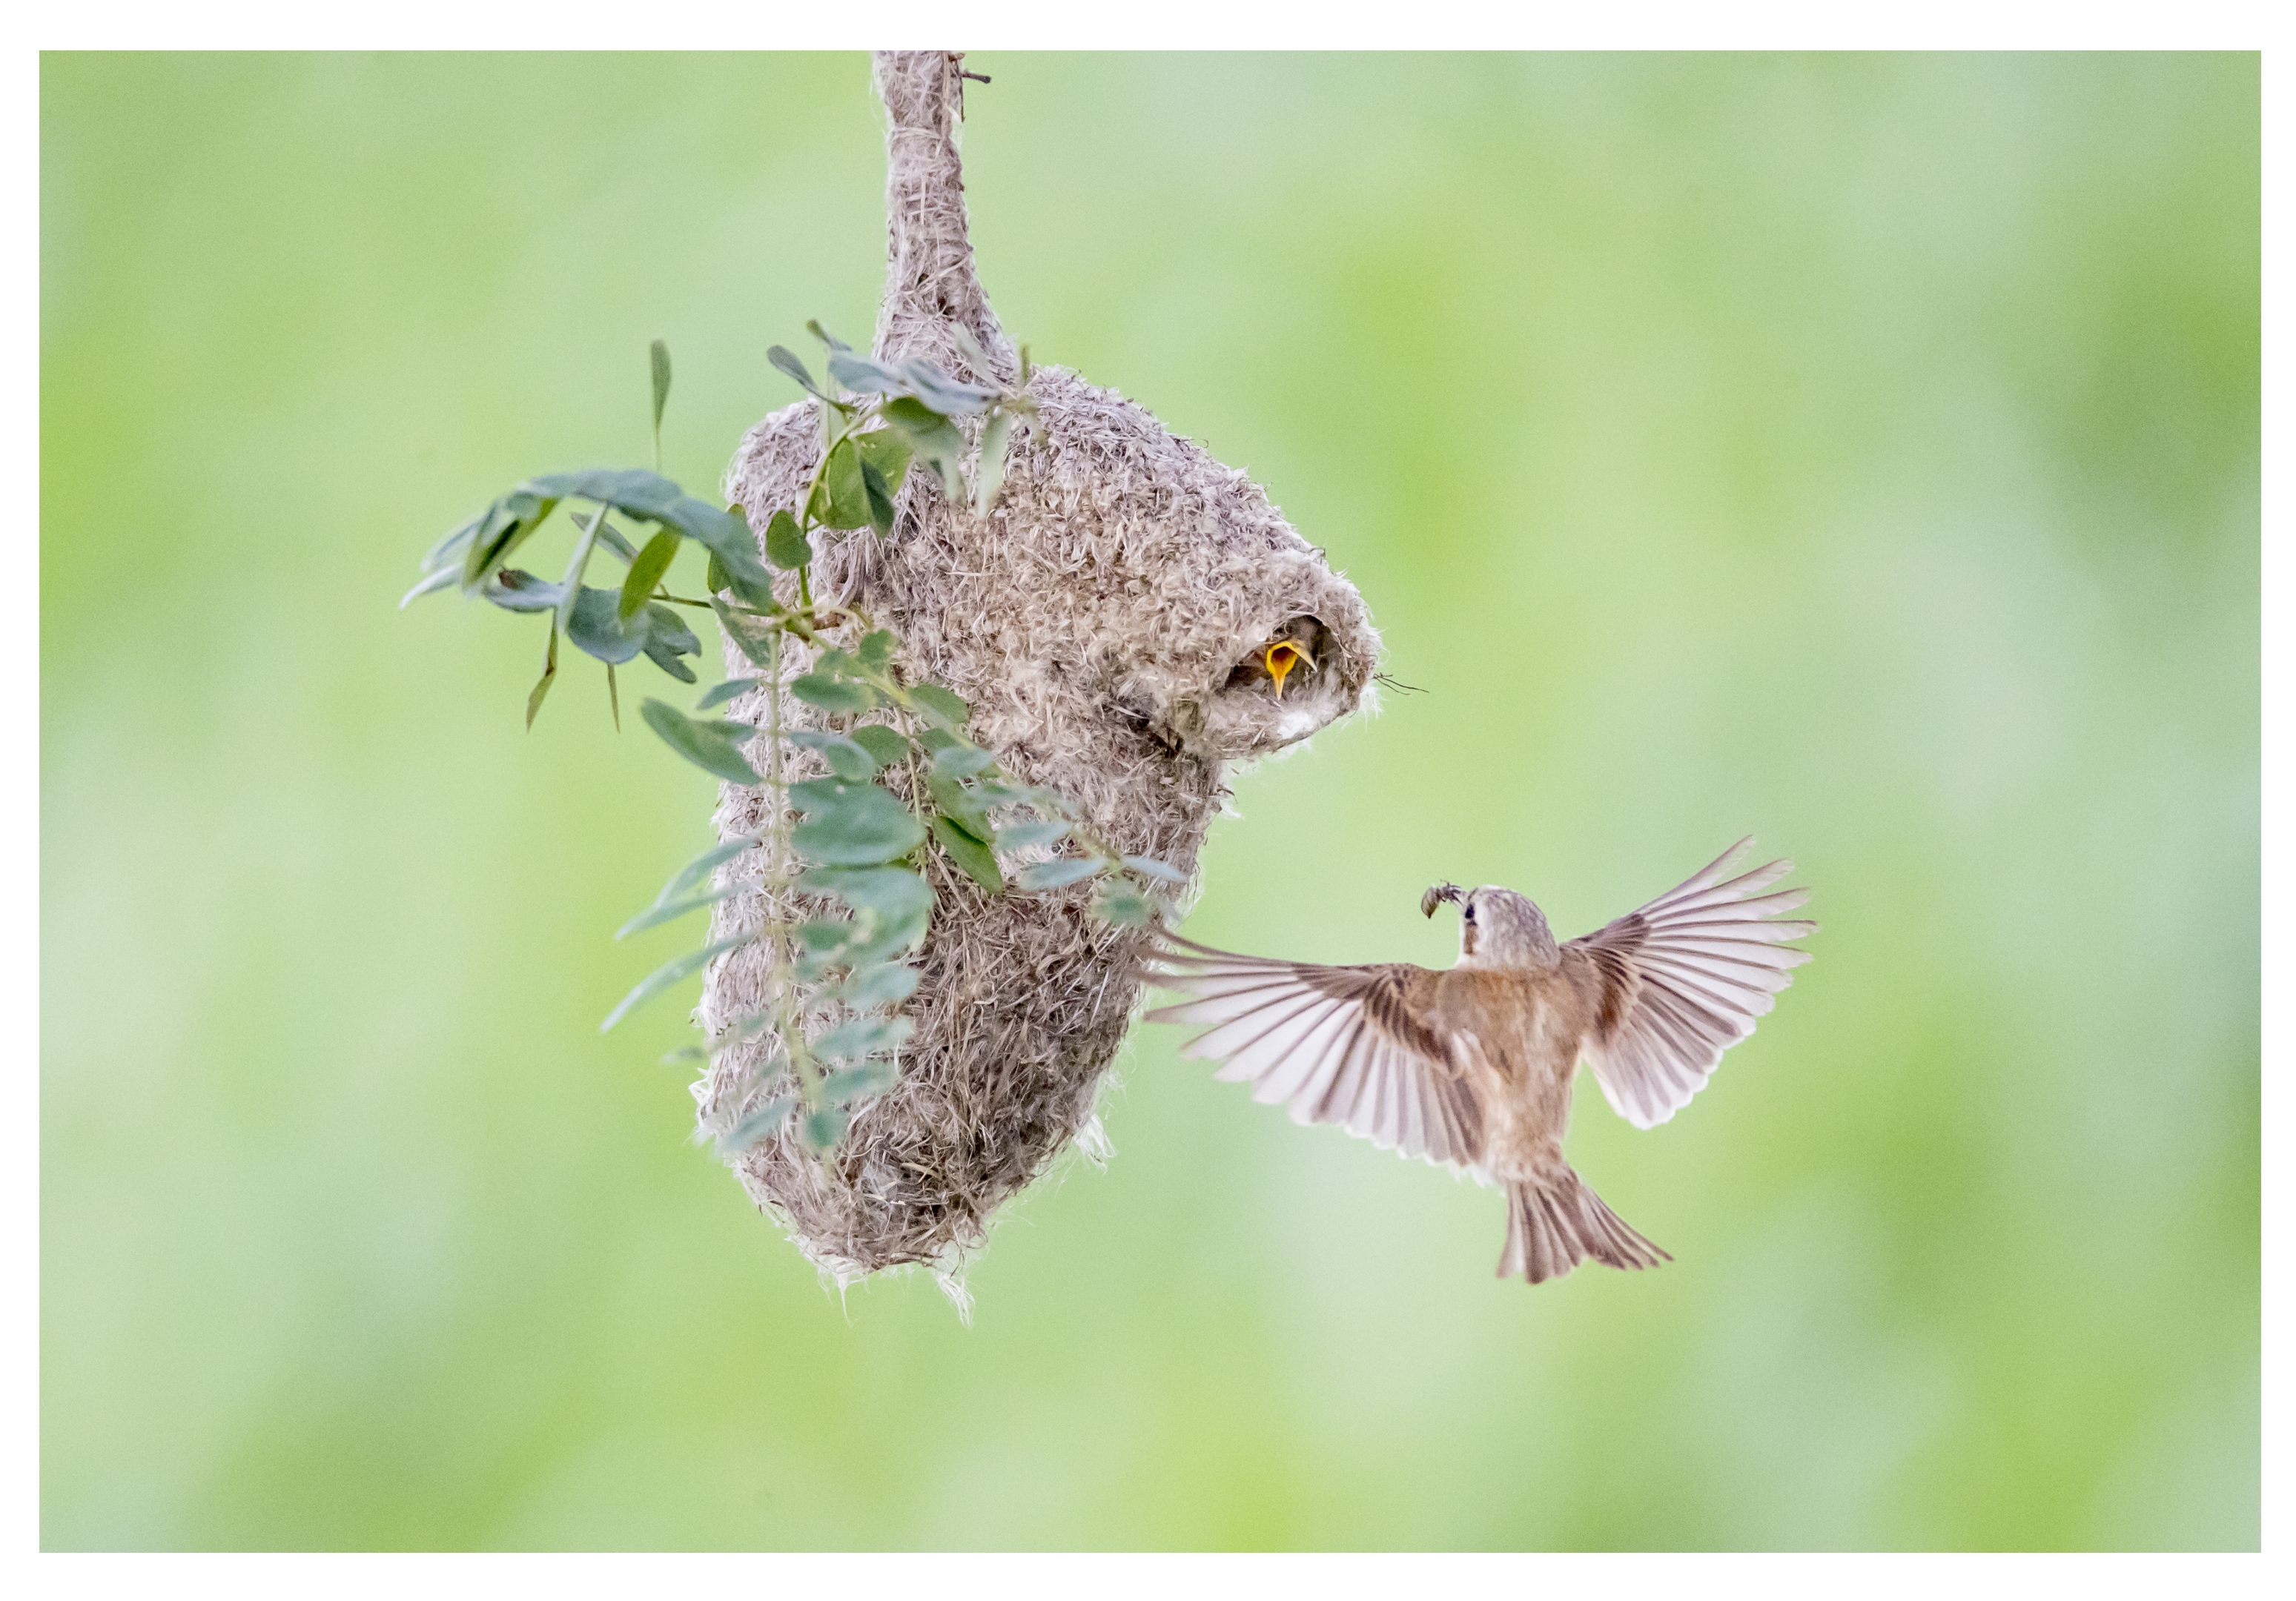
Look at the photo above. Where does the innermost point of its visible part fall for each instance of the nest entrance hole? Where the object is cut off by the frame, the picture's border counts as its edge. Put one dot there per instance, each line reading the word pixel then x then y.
pixel 1288 660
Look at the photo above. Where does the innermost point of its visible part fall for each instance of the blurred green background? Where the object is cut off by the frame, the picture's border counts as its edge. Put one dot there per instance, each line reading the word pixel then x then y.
pixel 1859 451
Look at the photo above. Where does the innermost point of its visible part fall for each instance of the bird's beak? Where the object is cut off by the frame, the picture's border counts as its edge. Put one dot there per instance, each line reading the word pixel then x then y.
pixel 1280 657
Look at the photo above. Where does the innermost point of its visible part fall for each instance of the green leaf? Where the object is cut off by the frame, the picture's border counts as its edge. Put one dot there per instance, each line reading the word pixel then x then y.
pixel 988 477
pixel 724 529
pixel 766 1120
pixel 440 557
pixel 884 745
pixel 663 656
pixel 863 1036
pixel 787 361
pixel 714 746
pixel 1154 869
pixel 875 653
pixel 852 825
pixel 886 449
pixel 941 704
pixel 847 758
pixel 660 352
pixel 978 860
pixel 663 911
pixel 880 499
pixel 594 627
pixel 654 982
pixel 609 536
pixel 934 439
pixel 824 336
pixel 714 576
pixel 886 985
pixel 506 524
pixel 736 562
pixel 571 590
pixel 695 871
pixel 823 1129
pixel 849 1084
pixel 446 578
pixel 839 498
pixel 751 636
pixel 873 942
pixel 1053 875
pixel 500 533
pixel 732 688
pixel 647 570
pixel 832 694
pixel 630 489
pixel 962 760
pixel 960 805
pixel 1025 835
pixel 786 542
pixel 862 373
pixel 988 793
pixel 549 672
pixel 514 589
pixel 664 623
pixel 724 532
pixel 810 796
pixel 667 638
pixel 826 936
pixel 891 892
pixel 950 397
pixel 1118 902
pixel 893 907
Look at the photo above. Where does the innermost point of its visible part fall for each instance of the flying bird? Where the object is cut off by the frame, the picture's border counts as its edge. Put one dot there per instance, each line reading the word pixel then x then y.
pixel 1471 1065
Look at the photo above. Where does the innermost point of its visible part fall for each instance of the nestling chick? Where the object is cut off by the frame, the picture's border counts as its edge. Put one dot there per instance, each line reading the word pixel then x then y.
pixel 1293 647
pixel 1472 1065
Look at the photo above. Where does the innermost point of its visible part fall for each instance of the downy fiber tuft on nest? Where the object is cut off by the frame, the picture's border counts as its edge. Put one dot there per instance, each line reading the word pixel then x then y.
pixel 1107 621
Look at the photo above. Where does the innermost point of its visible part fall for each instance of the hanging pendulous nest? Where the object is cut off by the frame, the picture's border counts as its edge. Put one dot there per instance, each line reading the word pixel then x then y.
pixel 1110 622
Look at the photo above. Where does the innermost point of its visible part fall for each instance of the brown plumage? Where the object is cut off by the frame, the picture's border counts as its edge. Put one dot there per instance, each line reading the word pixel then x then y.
pixel 1472 1066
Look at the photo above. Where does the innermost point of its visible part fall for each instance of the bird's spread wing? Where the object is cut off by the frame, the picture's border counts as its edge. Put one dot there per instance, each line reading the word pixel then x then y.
pixel 1682 980
pixel 1343 1045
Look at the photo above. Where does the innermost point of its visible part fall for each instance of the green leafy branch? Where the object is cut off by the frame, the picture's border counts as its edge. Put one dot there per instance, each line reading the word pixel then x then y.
pixel 903 776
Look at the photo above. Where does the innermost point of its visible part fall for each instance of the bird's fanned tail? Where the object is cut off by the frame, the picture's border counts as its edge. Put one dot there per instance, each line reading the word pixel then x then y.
pixel 1555 1222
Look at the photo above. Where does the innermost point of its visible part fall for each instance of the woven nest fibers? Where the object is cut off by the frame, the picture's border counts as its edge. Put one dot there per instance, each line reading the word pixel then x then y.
pixel 1110 622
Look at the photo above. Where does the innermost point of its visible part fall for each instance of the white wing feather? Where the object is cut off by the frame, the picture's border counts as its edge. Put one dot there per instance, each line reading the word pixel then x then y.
pixel 1692 971
pixel 1319 1041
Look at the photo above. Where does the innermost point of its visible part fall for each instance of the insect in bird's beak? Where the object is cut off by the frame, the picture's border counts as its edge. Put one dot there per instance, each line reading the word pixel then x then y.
pixel 1279 658
pixel 1436 897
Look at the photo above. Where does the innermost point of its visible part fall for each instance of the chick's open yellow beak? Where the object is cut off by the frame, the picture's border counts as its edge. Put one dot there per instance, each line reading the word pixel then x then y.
pixel 1280 657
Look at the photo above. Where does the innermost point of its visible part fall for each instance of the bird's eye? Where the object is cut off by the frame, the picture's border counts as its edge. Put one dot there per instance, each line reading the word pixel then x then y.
pixel 1471 911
